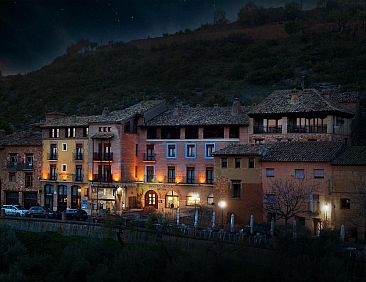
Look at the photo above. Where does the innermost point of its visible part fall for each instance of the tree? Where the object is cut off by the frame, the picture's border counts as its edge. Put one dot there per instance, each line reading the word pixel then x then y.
pixel 220 18
pixel 340 17
pixel 287 199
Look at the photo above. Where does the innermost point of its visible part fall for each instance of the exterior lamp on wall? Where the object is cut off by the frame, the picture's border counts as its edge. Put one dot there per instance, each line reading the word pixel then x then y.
pixel 326 209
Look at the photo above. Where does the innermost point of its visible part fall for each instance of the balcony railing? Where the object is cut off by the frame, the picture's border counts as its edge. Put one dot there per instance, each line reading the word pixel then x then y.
pixel 19 166
pixel 150 178
pixel 149 157
pixel 52 176
pixel 267 129
pixel 306 129
pixel 78 178
pixel 52 156
pixel 78 156
pixel 102 156
pixel 102 178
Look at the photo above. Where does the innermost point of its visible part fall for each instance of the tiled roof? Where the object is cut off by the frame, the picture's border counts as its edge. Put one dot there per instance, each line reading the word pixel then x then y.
pixel 114 116
pixel 310 151
pixel 351 155
pixel 22 138
pixel 305 101
pixel 195 116
pixel 241 150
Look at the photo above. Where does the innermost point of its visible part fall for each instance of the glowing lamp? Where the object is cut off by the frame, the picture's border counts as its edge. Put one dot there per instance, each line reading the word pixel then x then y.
pixel 222 204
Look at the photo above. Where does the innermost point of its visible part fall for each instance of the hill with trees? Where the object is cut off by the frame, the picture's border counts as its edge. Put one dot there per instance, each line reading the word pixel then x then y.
pixel 265 49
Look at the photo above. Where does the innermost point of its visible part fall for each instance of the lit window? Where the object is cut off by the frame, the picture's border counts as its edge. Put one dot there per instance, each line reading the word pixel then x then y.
pixel 210 199
pixel 192 199
pixel 171 150
pixel 209 150
pixel 172 200
pixel 190 150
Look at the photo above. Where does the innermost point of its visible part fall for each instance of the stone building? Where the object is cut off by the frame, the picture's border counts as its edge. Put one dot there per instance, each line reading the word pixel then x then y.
pixel 21 160
pixel 348 192
pixel 304 115
pixel 238 171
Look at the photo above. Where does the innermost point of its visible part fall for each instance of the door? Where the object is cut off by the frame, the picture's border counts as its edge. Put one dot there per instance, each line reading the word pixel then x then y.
pixel 30 199
pixel 12 198
pixel 48 196
pixel 151 199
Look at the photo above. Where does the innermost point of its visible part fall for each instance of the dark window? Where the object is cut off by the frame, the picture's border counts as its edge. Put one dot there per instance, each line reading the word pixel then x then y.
pixel 224 163
pixel 191 132
pixel 213 132
pixel 151 133
pixel 251 163
pixel 299 174
pixel 85 132
pixel 28 180
pixel 237 162
pixel 190 175
pixel 236 187
pixel 300 220
pixel 270 172
pixel 171 174
pixel 128 126
pixel 12 177
pixel 318 173
pixel 170 132
pixel 345 203
pixel 234 132
pixel 79 173
pixel 137 150
pixel 136 169
pixel 209 175
pixel 53 173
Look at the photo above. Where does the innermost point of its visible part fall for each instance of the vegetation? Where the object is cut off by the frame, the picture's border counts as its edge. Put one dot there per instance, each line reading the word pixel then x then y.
pixel 325 44
pixel 52 257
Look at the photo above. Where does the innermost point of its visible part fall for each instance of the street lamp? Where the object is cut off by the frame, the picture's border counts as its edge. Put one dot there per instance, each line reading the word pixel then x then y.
pixel 222 205
pixel 195 197
pixel 326 210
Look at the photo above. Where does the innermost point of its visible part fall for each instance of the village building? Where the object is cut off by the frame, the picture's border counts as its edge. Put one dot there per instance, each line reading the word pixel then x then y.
pixel 348 192
pixel 238 171
pixel 304 115
pixel 176 161
pixel 21 160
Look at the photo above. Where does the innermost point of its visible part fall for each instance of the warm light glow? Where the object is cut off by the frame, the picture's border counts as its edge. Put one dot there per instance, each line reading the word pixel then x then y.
pixel 116 178
pixel 195 197
pixel 44 175
pixel 326 207
pixel 178 179
pixel 160 178
pixel 202 179
pixel 90 177
pixel 222 204
pixel 64 176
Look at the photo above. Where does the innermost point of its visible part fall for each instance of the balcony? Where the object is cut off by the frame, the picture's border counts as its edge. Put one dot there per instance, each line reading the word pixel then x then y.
pixel 259 129
pixel 52 156
pixel 78 178
pixel 19 166
pixel 149 157
pixel 78 156
pixel 102 178
pixel 52 176
pixel 150 178
pixel 306 129
pixel 102 156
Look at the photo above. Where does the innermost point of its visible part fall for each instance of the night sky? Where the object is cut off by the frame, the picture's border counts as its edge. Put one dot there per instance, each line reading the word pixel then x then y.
pixel 33 33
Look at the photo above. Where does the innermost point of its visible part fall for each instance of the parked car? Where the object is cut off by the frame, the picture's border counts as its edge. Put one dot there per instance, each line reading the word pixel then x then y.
pixel 52 214
pixel 37 211
pixel 76 214
pixel 14 210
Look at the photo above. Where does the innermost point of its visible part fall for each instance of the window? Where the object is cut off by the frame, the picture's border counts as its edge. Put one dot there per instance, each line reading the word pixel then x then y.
pixel 29 159
pixel 345 203
pixel 64 168
pixel 85 132
pixel 210 199
pixel 213 132
pixel 28 180
pixel 53 172
pixel 137 150
pixel 171 150
pixel 251 162
pixel 192 199
pixel 150 173
pixel 12 176
pixel 70 132
pixel 190 175
pixel 236 187
pixel 54 132
pixel 314 202
pixel 150 152
pixel 259 141
pixel 234 132
pixel 79 173
pixel 136 170
pixel 318 173
pixel 270 172
pixel 172 200
pixel 64 147
pixel 13 158
pixel 209 175
pixel 237 162
pixel 151 133
pixel 191 132
pixel 209 150
pixel 223 163
pixel 299 174
pixel 190 150
pixel 171 174
pixel 170 132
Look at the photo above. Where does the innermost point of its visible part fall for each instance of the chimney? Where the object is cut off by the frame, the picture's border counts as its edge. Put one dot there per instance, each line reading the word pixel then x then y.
pixel 236 108
pixel 54 115
pixel 105 111
pixel 294 96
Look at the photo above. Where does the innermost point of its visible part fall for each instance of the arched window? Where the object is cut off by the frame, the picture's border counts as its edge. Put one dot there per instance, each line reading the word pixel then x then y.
pixel 172 200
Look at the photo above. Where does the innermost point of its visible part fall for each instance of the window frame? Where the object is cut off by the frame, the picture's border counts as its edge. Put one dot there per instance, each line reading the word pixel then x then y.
pixel 213 151
pixel 268 169
pixel 175 149
pixel 317 176
pixel 236 162
pixel 299 170
pixel 186 150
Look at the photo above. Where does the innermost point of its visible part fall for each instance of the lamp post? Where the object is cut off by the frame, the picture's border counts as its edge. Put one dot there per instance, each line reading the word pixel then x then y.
pixel 195 197
pixel 222 205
